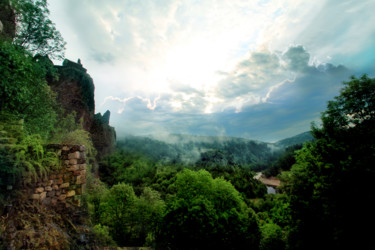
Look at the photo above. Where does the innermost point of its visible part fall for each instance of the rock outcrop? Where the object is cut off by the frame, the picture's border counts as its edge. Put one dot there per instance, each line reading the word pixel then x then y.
pixel 75 92
pixel 103 135
pixel 7 20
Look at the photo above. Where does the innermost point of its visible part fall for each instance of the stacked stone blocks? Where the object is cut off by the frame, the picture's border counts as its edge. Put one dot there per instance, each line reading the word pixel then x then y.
pixel 65 185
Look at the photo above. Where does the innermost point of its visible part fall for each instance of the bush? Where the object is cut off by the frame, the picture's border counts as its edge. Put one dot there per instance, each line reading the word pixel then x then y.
pixel 102 236
pixel 207 213
pixel 24 91
pixel 272 237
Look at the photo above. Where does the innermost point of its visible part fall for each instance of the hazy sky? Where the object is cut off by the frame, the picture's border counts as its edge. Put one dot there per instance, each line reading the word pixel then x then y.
pixel 259 69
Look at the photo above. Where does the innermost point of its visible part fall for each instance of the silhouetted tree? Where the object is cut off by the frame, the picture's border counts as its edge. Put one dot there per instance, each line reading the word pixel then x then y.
pixel 331 183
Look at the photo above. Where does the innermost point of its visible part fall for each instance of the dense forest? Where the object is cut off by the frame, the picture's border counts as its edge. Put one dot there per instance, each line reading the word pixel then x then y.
pixel 180 191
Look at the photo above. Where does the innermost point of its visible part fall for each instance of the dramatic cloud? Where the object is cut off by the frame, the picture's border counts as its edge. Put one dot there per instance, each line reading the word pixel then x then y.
pixel 258 69
pixel 268 111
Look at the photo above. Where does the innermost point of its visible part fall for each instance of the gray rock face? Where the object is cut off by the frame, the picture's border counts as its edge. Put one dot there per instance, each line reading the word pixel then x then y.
pixel 75 92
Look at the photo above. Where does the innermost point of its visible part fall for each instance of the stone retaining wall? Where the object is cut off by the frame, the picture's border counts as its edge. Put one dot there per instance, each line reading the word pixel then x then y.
pixel 64 186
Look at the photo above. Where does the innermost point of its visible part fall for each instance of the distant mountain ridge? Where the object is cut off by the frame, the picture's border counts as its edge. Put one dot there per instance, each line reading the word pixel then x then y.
pixel 297 139
pixel 208 151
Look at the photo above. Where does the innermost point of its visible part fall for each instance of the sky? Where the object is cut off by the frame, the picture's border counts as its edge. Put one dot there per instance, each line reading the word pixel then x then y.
pixel 257 69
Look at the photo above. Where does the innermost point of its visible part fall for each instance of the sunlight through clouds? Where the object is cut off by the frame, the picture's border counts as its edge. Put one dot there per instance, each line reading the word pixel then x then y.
pixel 217 59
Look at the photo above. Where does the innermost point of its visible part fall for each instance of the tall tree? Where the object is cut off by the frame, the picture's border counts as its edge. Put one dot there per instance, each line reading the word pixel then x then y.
pixel 331 183
pixel 35 31
pixel 207 213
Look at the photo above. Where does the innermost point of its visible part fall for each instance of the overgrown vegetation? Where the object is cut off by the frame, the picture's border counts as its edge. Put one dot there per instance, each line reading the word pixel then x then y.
pixel 156 185
pixel 313 211
pixel 199 194
pixel 30 119
pixel 204 151
pixel 24 91
pixel 85 81
pixel 330 184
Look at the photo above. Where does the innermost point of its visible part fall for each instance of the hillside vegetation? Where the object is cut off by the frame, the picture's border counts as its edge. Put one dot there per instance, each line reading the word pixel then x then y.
pixel 178 192
pixel 205 151
pixel 312 211
pixel 30 119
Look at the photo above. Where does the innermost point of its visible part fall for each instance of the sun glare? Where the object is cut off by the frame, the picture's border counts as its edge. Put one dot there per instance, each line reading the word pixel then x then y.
pixel 193 64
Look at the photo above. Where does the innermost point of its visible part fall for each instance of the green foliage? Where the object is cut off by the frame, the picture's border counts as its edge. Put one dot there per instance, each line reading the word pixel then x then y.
pixel 206 152
pixel 274 214
pixel 25 156
pixel 163 178
pixel 235 152
pixel 334 169
pixel 149 148
pixel 11 126
pixel 272 237
pixel 126 167
pixel 284 162
pixel 207 213
pixel 66 124
pixel 242 179
pixel 80 137
pixel 35 31
pixel 32 159
pixel 96 193
pixel 102 236
pixel 295 140
pixel 352 109
pixel 24 91
pixel 8 173
pixel 85 81
pixel 117 211
pixel 131 220
pixel 274 209
pixel 69 132
pixel 149 209
pixel 143 174
pixel 47 65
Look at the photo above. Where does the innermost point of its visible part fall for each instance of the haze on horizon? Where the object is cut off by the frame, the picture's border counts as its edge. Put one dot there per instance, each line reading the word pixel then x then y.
pixel 261 69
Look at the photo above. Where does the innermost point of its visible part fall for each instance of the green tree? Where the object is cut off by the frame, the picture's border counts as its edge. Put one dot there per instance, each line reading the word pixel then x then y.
pixel 24 91
pixel 284 162
pixel 330 185
pixel 117 211
pixel 148 213
pixel 207 213
pixel 242 179
pixel 131 220
pixel 164 177
pixel 96 193
pixel 102 236
pixel 272 237
pixel 129 168
pixel 35 31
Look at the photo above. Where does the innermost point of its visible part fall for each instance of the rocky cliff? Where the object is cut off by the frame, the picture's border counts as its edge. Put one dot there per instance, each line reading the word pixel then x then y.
pixel 103 135
pixel 75 92
pixel 7 20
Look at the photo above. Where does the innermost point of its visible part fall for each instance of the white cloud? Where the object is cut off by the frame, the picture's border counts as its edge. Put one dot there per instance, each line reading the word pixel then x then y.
pixel 174 58
pixel 151 105
pixel 338 29
pixel 150 43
